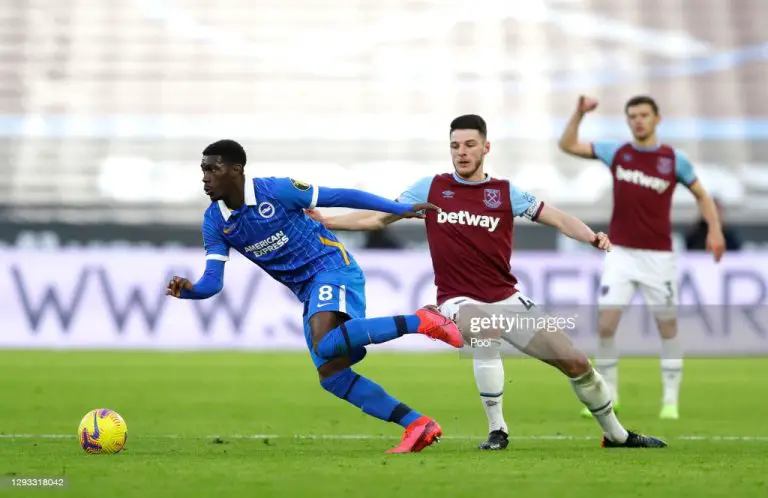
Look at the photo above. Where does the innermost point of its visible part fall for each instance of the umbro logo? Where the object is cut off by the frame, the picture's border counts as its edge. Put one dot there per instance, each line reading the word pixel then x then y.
pixel 448 194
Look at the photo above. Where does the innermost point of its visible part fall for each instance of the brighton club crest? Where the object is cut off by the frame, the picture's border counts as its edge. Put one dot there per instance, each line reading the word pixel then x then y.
pixel 664 166
pixel 492 198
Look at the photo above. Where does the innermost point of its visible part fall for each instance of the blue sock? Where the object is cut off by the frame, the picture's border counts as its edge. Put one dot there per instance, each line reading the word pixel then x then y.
pixel 359 332
pixel 370 397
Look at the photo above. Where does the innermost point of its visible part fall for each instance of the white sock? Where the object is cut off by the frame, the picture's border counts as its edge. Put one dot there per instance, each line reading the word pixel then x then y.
pixel 671 369
pixel 489 377
pixel 593 391
pixel 607 363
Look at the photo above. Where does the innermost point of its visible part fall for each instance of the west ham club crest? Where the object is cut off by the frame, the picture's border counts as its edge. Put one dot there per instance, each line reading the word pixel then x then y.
pixel 664 166
pixel 492 198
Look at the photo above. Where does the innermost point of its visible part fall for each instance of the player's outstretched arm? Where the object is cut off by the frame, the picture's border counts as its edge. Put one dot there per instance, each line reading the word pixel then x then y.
pixel 356 221
pixel 528 206
pixel 572 227
pixel 569 140
pixel 358 199
pixel 378 211
pixel 209 284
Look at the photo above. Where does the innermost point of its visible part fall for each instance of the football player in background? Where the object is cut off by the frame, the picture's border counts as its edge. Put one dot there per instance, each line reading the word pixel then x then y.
pixel 470 242
pixel 645 173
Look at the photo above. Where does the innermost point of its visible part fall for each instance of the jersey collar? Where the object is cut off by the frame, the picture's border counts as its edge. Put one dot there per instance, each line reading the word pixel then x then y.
pixel 467 182
pixel 646 148
pixel 250 198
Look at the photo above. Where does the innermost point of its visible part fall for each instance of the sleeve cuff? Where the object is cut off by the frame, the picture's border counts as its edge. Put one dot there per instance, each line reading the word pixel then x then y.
pixel 315 195
pixel 536 213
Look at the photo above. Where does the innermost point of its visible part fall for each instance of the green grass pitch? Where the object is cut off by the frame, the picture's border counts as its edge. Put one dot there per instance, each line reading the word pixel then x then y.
pixel 204 424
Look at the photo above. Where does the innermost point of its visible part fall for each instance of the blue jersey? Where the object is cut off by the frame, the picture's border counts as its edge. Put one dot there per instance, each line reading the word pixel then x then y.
pixel 272 231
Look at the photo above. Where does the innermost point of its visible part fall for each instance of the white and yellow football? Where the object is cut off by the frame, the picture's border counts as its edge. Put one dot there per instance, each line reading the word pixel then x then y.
pixel 102 431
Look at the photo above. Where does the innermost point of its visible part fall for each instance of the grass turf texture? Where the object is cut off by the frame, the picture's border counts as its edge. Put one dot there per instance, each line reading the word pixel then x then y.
pixel 189 415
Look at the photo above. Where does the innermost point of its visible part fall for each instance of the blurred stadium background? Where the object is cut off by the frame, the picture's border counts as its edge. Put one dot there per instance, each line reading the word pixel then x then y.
pixel 106 106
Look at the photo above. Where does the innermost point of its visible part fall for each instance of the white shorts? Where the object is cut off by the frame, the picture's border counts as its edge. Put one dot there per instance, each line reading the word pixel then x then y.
pixel 653 272
pixel 516 332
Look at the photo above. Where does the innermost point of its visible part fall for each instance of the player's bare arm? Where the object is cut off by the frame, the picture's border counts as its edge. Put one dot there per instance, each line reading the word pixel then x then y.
pixel 572 227
pixel 367 220
pixel 715 238
pixel 355 221
pixel 569 141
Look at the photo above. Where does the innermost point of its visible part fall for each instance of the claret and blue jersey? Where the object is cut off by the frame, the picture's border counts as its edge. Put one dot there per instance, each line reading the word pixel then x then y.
pixel 644 181
pixel 606 151
pixel 524 204
pixel 272 230
pixel 471 239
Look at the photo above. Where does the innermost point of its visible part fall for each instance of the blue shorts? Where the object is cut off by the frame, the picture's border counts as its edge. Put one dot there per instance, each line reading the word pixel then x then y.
pixel 341 290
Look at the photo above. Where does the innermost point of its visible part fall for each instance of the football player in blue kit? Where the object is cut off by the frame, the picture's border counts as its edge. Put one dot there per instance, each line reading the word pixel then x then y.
pixel 264 219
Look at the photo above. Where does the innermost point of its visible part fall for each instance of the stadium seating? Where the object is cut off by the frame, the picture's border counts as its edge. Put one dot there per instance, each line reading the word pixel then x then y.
pixel 110 103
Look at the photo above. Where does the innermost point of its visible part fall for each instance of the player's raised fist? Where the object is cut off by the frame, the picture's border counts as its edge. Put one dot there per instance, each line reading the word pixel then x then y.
pixel 417 210
pixel 586 104
pixel 716 244
pixel 602 242
pixel 175 286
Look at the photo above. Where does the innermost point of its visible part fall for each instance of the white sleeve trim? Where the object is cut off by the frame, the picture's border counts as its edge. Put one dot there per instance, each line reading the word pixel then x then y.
pixel 315 195
pixel 533 211
pixel 217 257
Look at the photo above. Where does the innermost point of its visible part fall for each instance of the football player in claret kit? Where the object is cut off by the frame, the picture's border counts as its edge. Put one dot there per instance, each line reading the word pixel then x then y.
pixel 474 227
pixel 645 173
pixel 264 219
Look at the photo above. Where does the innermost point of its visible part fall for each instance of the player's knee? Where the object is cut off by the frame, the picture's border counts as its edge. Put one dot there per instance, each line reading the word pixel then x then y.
pixel 606 332
pixel 325 372
pixel 332 368
pixel 667 326
pixel 575 364
pixel 608 322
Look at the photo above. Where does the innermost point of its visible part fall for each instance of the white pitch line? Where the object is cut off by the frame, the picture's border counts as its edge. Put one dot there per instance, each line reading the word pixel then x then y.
pixel 383 437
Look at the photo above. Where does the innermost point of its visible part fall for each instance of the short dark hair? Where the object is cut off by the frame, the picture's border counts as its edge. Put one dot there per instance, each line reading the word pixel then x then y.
pixel 230 151
pixel 639 100
pixel 470 122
